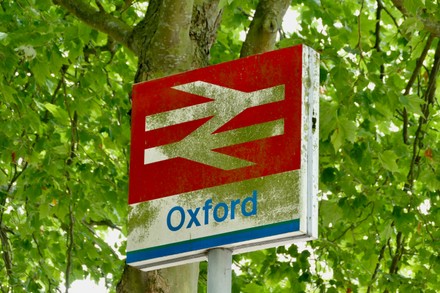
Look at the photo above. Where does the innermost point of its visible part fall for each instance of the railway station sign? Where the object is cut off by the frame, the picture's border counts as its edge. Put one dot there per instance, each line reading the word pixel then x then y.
pixel 224 156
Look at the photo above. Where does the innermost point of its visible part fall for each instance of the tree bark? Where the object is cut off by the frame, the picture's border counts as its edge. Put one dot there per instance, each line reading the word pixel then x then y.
pixel 264 27
pixel 175 279
pixel 174 36
pixel 430 24
pixel 100 20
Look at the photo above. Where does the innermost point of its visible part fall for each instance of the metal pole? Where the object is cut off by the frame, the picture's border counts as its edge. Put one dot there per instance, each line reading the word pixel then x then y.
pixel 219 270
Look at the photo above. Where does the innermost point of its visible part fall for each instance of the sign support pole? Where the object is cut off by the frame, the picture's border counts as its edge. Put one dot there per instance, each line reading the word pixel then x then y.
pixel 219 270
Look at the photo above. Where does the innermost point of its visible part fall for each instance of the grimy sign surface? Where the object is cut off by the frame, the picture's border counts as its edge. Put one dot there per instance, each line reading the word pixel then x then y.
pixel 224 156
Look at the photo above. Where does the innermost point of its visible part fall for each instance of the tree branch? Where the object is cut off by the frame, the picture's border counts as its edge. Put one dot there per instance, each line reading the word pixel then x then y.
pixel 171 41
pixel 429 23
pixel 163 39
pixel 205 20
pixel 355 225
pixel 416 71
pixel 419 64
pixel 105 222
pixel 264 27
pixel 175 21
pixel 70 243
pixel 419 135
pixel 98 241
pixel 376 269
pixel 100 20
pixel 6 253
pixel 391 16
pixel 359 43
pixel 400 246
pixel 429 99
pixel 377 33
pixel 433 77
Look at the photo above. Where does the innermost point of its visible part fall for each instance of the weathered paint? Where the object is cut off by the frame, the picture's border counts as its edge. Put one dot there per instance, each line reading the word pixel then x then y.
pixel 224 156
pixel 278 201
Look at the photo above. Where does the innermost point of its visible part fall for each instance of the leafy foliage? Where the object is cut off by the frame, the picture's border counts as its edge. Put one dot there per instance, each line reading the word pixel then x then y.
pixel 378 139
pixel 64 138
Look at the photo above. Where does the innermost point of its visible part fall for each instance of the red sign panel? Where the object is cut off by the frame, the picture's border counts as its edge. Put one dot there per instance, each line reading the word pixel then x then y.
pixel 179 145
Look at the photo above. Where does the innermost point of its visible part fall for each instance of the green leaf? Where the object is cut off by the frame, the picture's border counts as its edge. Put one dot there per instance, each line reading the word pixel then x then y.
pixel 388 160
pixel 40 69
pixel 387 231
pixel 59 113
pixel 8 93
pixel 223 3
pixel 345 130
pixel 252 288
pixel 411 25
pixel 341 78
pixel 327 117
pixel 60 150
pixel 413 5
pixel 413 103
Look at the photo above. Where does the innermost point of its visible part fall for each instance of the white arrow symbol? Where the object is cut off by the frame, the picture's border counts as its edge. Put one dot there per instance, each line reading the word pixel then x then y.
pixel 227 103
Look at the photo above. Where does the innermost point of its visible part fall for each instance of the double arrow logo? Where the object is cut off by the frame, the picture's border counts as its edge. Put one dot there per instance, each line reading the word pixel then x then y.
pixel 226 104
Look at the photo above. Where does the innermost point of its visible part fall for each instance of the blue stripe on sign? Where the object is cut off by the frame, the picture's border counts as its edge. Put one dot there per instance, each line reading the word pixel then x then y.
pixel 213 241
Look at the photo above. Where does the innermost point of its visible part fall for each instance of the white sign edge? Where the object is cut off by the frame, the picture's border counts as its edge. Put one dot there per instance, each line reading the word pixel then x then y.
pixel 311 92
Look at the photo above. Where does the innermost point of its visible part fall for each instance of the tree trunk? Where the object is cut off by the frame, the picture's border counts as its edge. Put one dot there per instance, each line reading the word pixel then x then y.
pixel 175 279
pixel 264 27
pixel 174 36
